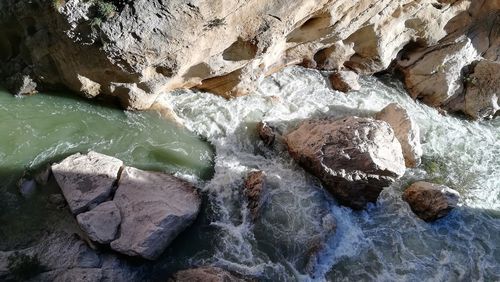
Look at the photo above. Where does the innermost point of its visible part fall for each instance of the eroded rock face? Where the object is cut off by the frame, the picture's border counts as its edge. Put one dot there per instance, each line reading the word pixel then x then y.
pixel 155 208
pixel 101 223
pixel 460 73
pixel 344 81
pixel 255 189
pixel 139 51
pixel 482 94
pixel 430 201
pixel 86 180
pixel 202 274
pixel 355 158
pixel 406 130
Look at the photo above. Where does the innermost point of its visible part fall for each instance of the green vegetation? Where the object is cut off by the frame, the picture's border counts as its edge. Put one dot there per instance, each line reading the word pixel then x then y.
pixel 104 10
pixel 23 267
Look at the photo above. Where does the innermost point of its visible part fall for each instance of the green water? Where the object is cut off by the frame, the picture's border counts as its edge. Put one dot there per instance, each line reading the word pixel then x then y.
pixel 38 130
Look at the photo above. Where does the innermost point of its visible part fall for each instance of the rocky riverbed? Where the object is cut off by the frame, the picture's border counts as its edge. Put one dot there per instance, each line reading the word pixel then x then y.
pixel 374 160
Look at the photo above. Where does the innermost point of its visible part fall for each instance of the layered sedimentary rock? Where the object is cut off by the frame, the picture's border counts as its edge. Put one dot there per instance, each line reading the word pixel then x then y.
pixel 459 73
pixel 135 50
pixel 355 158
pixel 255 189
pixel 430 201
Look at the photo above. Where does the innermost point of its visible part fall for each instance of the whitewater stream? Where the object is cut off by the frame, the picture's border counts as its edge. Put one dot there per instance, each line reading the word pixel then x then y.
pixel 292 240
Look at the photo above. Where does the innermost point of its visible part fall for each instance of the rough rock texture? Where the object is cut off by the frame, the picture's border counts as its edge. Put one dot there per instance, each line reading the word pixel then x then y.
pixel 101 223
pixel 255 189
pixel 430 201
pixel 204 274
pixel 344 81
pixel 19 84
pixel 444 74
pixel 86 180
pixel 355 158
pixel 406 130
pixel 65 257
pixel 482 94
pixel 266 133
pixel 146 47
pixel 155 207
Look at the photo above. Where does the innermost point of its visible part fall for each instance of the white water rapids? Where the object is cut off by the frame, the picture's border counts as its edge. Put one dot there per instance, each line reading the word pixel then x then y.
pixel 386 242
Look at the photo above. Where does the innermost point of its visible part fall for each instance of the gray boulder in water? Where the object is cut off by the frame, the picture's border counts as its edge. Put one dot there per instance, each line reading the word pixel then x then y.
pixel 101 223
pixel 86 180
pixel 155 208
pixel 354 157
pixel 430 201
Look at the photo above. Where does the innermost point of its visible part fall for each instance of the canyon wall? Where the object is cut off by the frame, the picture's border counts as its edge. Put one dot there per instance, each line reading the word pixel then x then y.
pixel 137 49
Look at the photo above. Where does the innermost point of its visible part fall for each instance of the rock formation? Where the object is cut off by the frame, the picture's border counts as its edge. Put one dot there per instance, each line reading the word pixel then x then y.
pixel 86 180
pixel 406 130
pixel 101 223
pixel 147 211
pixel 135 50
pixel 430 201
pixel 355 158
pixel 448 74
pixel 155 208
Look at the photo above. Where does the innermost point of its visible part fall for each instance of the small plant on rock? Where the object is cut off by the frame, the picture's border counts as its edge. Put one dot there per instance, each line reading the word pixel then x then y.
pixel 215 23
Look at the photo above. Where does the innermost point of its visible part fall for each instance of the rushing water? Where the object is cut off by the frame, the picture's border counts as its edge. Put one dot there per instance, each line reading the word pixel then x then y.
pixel 384 243
pixel 291 241
pixel 41 129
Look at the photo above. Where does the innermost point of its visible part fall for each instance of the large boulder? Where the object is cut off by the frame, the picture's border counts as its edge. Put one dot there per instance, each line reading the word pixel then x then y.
pixel 101 223
pixel 354 157
pixel 155 207
pixel 86 180
pixel 204 274
pixel 430 201
pixel 406 130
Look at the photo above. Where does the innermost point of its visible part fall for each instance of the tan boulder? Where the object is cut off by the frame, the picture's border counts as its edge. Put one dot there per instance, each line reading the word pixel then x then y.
pixel 354 157
pixel 406 130
pixel 255 189
pixel 430 201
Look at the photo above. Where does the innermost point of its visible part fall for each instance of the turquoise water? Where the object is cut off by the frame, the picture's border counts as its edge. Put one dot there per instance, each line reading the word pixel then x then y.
pixel 45 128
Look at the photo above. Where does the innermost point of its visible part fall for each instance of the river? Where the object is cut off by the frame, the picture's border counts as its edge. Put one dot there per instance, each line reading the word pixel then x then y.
pixel 385 242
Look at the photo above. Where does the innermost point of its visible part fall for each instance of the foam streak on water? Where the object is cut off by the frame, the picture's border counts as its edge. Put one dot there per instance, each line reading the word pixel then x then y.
pixel 386 242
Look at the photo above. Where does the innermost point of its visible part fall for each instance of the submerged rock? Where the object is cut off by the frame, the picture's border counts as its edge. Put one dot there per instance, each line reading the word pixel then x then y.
pixel 255 190
pixel 430 201
pixel 406 130
pixel 354 157
pixel 27 187
pixel 155 207
pixel 86 180
pixel 101 223
pixel 204 274
pixel 344 81
pixel 266 133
